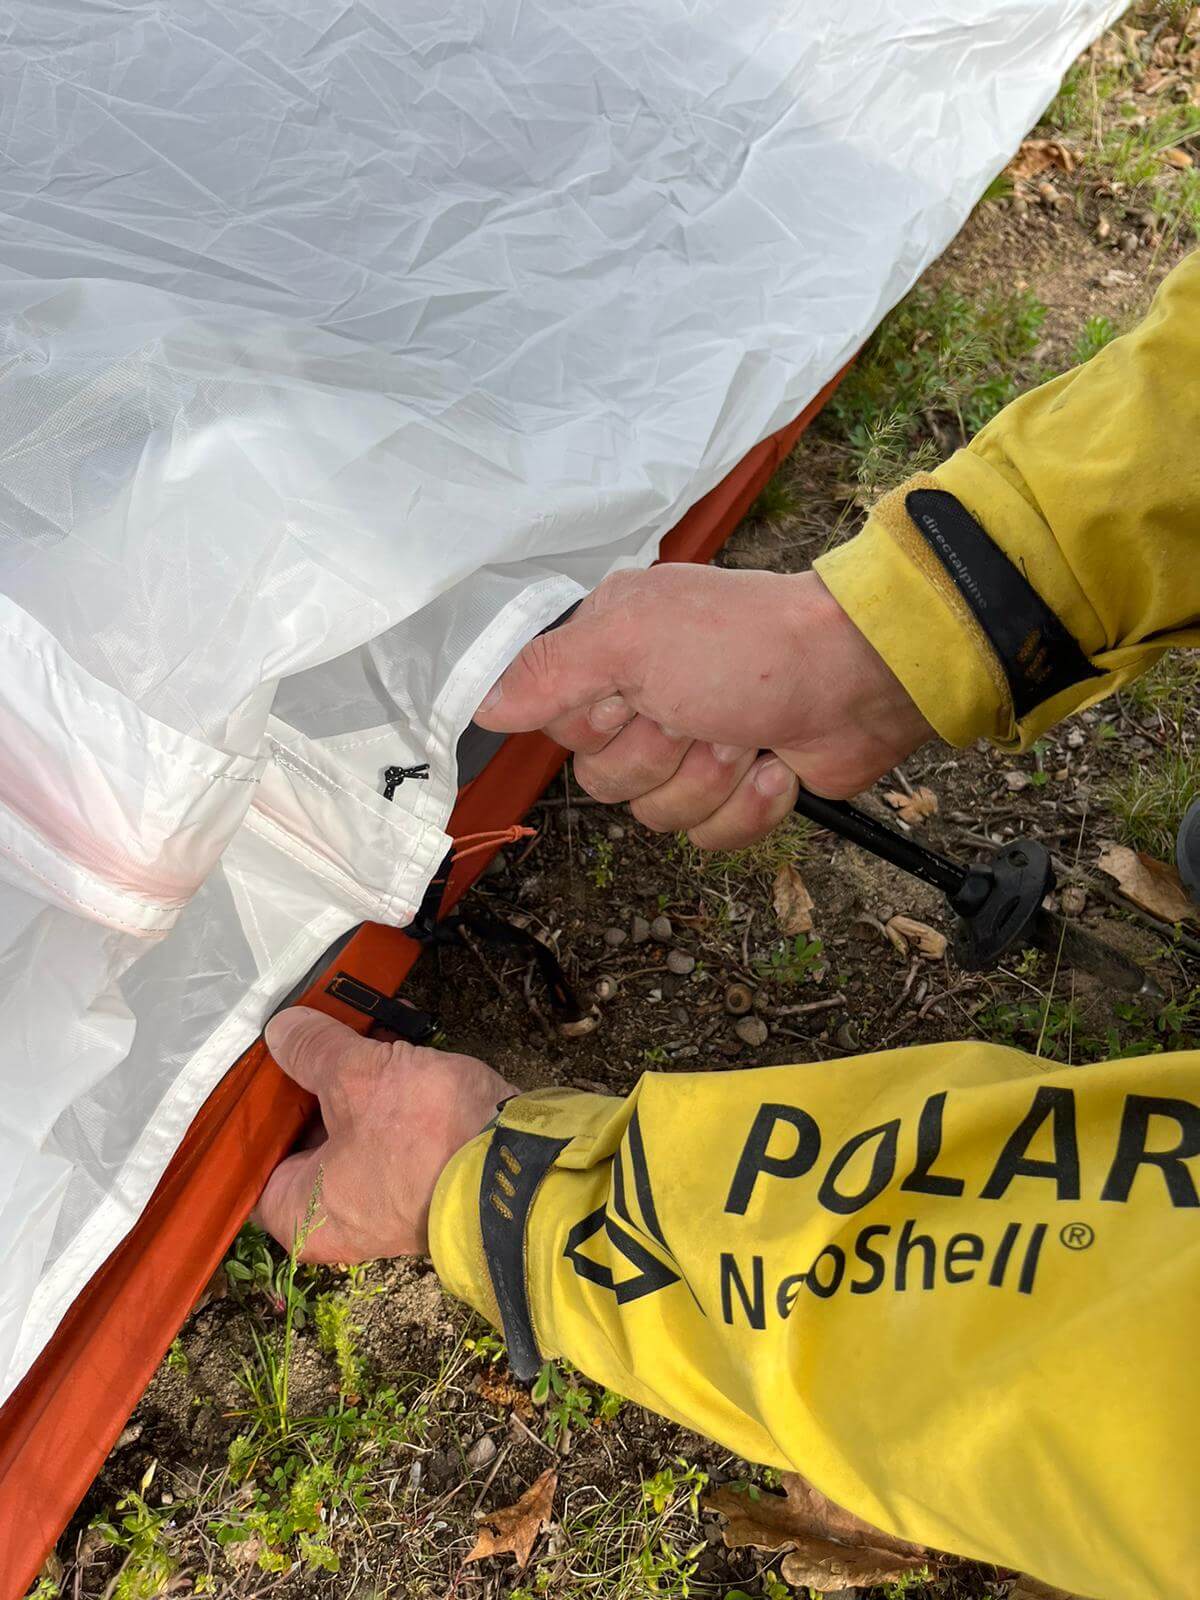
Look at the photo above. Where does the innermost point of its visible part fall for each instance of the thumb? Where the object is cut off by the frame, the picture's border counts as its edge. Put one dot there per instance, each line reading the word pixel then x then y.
pixel 311 1047
pixel 559 672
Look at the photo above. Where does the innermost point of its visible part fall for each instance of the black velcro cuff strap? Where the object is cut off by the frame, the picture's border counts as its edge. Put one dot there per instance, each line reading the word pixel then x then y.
pixel 1039 657
pixel 513 1170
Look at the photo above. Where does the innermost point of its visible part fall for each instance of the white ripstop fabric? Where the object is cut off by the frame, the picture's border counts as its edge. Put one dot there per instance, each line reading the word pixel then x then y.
pixel 342 346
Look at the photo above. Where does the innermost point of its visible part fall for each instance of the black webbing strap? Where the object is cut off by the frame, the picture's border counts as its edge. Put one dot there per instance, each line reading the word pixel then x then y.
pixel 1038 655
pixel 513 1170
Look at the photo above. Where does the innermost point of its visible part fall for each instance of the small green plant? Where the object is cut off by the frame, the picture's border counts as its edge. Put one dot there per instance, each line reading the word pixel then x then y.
pixel 777 500
pixel 570 1404
pixel 1097 332
pixel 44 1589
pixel 338 1334
pixel 486 1347
pixel 177 1357
pixel 758 862
pixel 941 364
pixel 254 1265
pixel 899 1587
pixel 791 960
pixel 601 870
pixel 655 1055
pixel 1149 799
pixel 140 1534
pixel 677 1484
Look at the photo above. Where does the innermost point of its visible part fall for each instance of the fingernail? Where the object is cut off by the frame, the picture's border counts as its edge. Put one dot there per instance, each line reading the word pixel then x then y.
pixel 491 698
pixel 773 778
pixel 610 713
pixel 727 754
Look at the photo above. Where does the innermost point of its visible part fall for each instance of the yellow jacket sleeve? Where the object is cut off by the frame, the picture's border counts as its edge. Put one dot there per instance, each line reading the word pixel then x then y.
pixel 957 1290
pixel 1090 486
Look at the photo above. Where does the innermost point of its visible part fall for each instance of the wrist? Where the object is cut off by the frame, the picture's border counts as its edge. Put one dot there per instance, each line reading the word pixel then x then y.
pixel 870 721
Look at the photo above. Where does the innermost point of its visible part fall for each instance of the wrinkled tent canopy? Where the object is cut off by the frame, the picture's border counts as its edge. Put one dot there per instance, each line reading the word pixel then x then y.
pixel 344 346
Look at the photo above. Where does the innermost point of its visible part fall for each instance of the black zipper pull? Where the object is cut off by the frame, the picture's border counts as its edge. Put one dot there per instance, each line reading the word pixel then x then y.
pixel 393 777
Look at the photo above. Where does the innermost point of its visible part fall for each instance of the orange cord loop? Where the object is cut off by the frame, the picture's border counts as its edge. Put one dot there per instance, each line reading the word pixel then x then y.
pixel 475 842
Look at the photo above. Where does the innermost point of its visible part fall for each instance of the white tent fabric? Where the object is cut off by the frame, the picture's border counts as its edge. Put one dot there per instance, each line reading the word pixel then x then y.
pixel 342 346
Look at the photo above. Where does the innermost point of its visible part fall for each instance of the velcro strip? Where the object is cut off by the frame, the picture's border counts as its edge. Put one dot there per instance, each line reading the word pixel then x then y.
pixel 513 1170
pixel 1039 657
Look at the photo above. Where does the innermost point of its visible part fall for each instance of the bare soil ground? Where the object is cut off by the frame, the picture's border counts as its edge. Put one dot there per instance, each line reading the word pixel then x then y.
pixel 396 1513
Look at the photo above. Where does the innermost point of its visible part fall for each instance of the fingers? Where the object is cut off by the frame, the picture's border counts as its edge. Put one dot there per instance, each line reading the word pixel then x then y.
pixel 562 672
pixel 640 758
pixel 706 778
pixel 323 1056
pixel 759 803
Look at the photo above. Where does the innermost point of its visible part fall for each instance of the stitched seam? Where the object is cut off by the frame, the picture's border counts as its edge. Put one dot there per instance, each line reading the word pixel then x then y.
pixel 322 783
pixel 152 737
pixel 107 917
pixel 275 835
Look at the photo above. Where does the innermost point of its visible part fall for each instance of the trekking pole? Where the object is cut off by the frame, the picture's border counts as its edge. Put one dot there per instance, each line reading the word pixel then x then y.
pixel 997 901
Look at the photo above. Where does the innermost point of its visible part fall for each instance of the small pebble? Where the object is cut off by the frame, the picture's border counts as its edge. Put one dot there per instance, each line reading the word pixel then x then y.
pixel 679 962
pixel 615 936
pixel 129 1435
pixel 606 988
pixel 616 832
pixel 847 1036
pixel 1076 739
pixel 1074 899
pixel 481 1452
pixel 660 929
pixel 641 930
pixel 654 994
pixel 1017 781
pixel 751 1030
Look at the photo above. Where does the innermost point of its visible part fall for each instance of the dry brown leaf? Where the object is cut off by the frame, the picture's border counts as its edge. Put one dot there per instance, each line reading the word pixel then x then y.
pixel 793 903
pixel 915 807
pixel 828 1547
pixel 1151 885
pixel 501 1392
pixel 513 1530
pixel 1038 155
pixel 1179 158
pixel 927 940
pixel 1027 1588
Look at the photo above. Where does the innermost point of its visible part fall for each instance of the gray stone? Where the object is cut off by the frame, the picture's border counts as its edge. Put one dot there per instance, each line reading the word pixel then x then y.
pixel 481 1452
pixel 660 929
pixel 679 962
pixel 751 1031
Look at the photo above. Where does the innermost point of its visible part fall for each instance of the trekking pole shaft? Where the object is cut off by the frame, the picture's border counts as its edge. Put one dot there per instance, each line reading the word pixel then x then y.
pixel 840 817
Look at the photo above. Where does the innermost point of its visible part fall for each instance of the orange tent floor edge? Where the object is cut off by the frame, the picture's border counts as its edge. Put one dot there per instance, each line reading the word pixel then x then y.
pixel 65 1416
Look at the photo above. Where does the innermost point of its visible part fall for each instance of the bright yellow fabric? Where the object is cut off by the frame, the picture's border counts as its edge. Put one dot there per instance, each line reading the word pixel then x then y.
pixel 1046 1422
pixel 1091 485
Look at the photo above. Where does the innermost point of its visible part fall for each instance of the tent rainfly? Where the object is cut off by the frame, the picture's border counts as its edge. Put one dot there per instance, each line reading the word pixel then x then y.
pixel 343 348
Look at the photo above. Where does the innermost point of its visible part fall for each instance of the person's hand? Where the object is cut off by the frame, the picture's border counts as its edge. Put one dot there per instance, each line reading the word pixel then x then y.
pixel 667 684
pixel 392 1116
